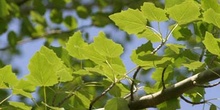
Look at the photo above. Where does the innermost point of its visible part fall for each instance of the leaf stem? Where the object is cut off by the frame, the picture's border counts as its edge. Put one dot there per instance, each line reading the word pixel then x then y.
pixel 103 93
pixel 6 99
pixel 133 83
pixel 45 98
pixel 164 40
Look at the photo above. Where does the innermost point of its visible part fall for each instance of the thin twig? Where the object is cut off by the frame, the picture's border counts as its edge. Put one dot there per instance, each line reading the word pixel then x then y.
pixel 103 93
pixel 133 83
pixel 164 40
pixel 162 78
pixel 190 102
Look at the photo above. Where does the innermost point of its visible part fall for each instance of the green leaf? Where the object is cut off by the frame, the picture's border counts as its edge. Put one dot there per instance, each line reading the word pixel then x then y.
pixel 113 71
pixel 22 92
pixel 132 21
pixel 36 17
pixel 12 38
pixel 42 72
pixel 152 13
pixel 210 16
pixel 183 14
pixel 75 46
pixel 56 16
pixel 70 22
pixel 172 104
pixel 182 33
pixel 171 3
pixel 175 47
pixel 100 19
pixel 214 4
pixel 93 54
pixel 213 107
pixel 45 69
pixel 19 105
pixel 39 7
pixel 84 100
pixel 117 104
pixel 196 94
pixel 102 49
pixel 107 47
pixel 3 8
pixel 194 65
pixel 82 11
pixel 8 79
pixel 25 85
pixel 150 35
pixel 211 44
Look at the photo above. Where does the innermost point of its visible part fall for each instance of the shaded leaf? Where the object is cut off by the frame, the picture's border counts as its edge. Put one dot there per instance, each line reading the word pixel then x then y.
pixel 172 104
pixel 117 104
pixel 70 22
pixel 213 107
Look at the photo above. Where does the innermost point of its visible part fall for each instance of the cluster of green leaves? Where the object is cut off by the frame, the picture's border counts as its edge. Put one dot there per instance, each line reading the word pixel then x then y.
pixel 197 28
pixel 73 75
pixel 49 70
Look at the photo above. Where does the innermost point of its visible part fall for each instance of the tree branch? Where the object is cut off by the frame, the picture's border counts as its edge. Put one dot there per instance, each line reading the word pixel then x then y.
pixel 176 90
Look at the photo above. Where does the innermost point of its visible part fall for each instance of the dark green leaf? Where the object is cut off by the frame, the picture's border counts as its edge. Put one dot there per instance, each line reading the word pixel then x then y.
pixel 213 107
pixel 56 16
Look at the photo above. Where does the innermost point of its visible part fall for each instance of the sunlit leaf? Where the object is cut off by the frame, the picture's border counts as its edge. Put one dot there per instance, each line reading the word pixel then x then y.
pixel 152 13
pixel 183 14
pixel 117 104
pixel 210 16
pixel 42 72
pixel 20 105
pixel 194 65
pixel 214 4
pixel 8 79
pixel 171 3
pixel 132 21
pixel 107 47
pixel 75 45
pixel 211 44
